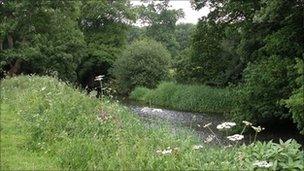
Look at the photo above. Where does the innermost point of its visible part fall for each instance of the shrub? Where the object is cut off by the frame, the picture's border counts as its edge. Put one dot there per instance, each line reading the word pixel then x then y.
pixel 196 98
pixel 296 101
pixel 143 63
pixel 266 83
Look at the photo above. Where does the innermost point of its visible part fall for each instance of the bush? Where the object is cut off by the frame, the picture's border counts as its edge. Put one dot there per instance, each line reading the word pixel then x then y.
pixel 195 98
pixel 266 83
pixel 296 101
pixel 143 63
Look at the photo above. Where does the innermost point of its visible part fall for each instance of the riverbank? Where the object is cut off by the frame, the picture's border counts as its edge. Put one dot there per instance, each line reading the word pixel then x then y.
pixel 48 125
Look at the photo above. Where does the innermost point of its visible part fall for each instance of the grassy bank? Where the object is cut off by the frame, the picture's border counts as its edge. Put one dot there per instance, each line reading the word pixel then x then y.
pixel 47 125
pixel 195 98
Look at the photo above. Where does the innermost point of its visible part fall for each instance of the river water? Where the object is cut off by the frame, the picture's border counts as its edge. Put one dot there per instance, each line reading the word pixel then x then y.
pixel 195 122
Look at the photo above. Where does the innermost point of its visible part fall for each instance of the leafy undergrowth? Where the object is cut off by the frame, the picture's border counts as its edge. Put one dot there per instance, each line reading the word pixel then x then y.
pixel 194 98
pixel 47 125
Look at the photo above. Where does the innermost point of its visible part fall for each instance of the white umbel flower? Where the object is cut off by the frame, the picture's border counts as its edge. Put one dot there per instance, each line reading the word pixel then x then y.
pixel 235 137
pixel 247 123
pixel 209 139
pixel 99 78
pixel 225 125
pixel 257 129
pixel 262 164
pixel 196 147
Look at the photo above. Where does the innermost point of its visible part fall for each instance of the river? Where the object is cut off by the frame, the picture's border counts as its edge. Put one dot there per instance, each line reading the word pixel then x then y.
pixel 195 122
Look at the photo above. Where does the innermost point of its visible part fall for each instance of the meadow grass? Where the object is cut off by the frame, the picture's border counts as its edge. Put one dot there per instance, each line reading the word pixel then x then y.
pixel 47 124
pixel 194 98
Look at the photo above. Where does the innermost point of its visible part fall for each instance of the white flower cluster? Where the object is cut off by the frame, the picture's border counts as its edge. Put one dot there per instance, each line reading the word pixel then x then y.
pixel 196 147
pixel 225 125
pixel 257 129
pixel 209 138
pixel 235 137
pixel 262 164
pixel 247 123
pixel 166 151
pixel 99 78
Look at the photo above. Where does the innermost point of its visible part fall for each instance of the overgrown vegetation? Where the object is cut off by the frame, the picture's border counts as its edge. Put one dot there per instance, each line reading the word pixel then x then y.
pixel 266 84
pixel 296 101
pixel 196 98
pixel 58 127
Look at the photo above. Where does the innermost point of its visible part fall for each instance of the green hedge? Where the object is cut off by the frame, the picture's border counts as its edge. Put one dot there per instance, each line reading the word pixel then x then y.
pixel 195 98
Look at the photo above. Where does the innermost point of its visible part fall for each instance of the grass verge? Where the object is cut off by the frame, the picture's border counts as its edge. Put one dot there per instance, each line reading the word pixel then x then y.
pixel 47 125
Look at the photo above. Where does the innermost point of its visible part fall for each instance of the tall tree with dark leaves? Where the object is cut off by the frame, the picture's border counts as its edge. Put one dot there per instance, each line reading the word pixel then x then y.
pixel 105 25
pixel 160 22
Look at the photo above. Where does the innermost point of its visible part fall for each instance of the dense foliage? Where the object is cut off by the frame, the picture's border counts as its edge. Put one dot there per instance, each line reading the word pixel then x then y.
pixel 75 40
pixel 160 23
pixel 266 83
pixel 253 44
pixel 143 63
pixel 48 125
pixel 296 100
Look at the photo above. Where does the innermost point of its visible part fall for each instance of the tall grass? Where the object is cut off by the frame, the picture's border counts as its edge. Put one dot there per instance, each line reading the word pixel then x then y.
pixel 195 98
pixel 47 125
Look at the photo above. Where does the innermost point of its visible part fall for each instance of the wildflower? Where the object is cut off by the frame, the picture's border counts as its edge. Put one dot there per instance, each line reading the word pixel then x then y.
pixel 99 78
pixel 247 123
pixel 159 151
pixel 168 151
pixel 209 139
pixel 257 129
pixel 235 137
pixel 196 147
pixel 262 164
pixel 207 125
pixel 226 125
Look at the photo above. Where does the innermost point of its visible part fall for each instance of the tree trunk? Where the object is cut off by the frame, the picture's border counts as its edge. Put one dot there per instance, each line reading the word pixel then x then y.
pixel 15 68
pixel 10 41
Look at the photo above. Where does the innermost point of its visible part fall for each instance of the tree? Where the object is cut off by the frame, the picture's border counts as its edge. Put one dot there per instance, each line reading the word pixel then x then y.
pixel 183 34
pixel 161 23
pixel 42 38
pixel 141 65
pixel 105 25
pixel 267 38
